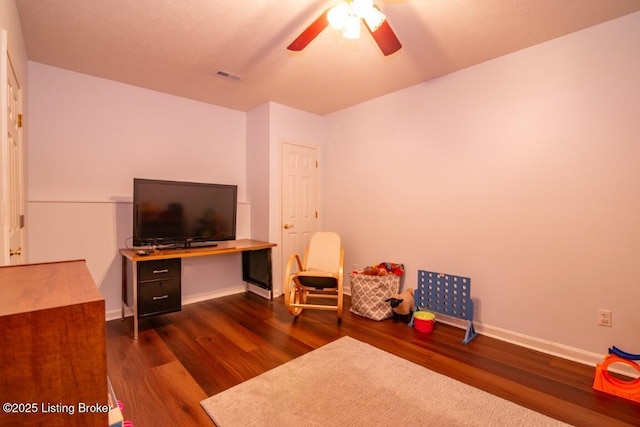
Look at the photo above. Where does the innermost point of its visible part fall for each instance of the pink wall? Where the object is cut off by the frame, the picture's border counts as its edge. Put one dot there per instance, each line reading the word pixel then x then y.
pixel 94 135
pixel 521 173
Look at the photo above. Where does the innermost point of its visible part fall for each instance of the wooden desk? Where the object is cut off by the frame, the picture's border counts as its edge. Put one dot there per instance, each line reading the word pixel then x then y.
pixel 167 277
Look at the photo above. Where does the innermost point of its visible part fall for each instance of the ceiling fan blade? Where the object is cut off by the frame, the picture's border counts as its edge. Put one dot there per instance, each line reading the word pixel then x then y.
pixel 386 38
pixel 310 33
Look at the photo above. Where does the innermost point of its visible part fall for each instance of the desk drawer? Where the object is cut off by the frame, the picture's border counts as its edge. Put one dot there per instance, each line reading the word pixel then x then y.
pixel 159 269
pixel 159 296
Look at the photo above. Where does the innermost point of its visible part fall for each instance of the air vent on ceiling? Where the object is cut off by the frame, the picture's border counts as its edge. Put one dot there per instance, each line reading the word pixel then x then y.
pixel 228 76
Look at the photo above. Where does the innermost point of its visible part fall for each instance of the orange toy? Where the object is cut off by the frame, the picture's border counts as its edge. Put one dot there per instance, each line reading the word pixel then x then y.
pixel 607 383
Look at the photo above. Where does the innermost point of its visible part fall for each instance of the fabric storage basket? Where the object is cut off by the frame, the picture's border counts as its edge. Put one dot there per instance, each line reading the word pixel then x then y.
pixel 368 294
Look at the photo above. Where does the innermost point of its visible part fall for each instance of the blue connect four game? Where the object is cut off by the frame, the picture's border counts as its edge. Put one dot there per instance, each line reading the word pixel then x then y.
pixel 448 295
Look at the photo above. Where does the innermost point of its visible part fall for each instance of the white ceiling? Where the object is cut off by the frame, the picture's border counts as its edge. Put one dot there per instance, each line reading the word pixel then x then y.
pixel 176 46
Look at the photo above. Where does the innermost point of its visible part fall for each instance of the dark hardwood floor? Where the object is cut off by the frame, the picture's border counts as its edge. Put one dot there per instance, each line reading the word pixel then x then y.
pixel 182 358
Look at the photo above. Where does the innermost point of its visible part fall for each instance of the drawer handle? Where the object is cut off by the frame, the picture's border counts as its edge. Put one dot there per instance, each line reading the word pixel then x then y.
pixel 161 297
pixel 166 270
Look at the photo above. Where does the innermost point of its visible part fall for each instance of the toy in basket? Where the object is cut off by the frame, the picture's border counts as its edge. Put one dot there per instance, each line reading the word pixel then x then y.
pixel 372 286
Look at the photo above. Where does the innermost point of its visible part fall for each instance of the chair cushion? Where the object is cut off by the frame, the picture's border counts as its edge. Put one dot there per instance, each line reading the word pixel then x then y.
pixel 318 282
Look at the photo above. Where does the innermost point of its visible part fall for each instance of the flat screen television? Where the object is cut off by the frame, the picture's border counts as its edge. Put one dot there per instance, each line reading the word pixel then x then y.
pixel 183 214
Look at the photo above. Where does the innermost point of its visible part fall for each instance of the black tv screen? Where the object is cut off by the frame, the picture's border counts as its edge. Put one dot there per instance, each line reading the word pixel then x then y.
pixel 183 214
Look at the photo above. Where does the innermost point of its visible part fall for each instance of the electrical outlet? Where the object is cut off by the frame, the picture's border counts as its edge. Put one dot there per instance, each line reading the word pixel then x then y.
pixel 604 317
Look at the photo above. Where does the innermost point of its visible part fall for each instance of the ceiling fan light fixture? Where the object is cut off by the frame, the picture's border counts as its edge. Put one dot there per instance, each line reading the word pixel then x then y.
pixel 345 16
pixel 374 18
pixel 352 28
pixel 361 7
pixel 337 16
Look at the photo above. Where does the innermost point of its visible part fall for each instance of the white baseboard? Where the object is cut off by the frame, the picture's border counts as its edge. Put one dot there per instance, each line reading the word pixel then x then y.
pixel 218 293
pixel 259 291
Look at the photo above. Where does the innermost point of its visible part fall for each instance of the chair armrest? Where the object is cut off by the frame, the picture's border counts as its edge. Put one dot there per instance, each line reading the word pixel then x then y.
pixel 295 257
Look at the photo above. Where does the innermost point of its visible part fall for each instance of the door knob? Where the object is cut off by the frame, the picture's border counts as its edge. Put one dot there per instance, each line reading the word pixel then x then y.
pixel 13 252
pixel 288 226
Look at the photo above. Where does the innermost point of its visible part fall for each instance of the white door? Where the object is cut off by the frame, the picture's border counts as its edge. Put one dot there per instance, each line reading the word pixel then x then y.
pixel 299 198
pixel 11 178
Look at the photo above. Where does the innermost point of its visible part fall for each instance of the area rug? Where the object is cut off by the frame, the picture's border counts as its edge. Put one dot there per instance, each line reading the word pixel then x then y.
pixel 351 383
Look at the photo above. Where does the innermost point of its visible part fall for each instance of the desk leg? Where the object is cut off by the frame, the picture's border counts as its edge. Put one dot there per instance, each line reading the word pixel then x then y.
pixel 124 286
pixel 270 276
pixel 135 299
pixel 134 292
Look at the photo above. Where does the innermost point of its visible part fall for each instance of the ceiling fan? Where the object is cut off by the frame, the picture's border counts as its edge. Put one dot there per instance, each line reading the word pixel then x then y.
pixel 347 16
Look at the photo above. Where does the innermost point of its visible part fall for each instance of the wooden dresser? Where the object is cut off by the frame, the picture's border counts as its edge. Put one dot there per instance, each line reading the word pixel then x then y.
pixel 53 366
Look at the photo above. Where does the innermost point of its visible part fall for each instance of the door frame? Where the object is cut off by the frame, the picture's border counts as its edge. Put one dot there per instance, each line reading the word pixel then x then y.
pixel 4 76
pixel 5 197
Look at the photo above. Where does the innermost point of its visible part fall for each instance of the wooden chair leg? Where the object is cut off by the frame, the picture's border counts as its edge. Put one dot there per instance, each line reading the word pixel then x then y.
pixel 296 297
